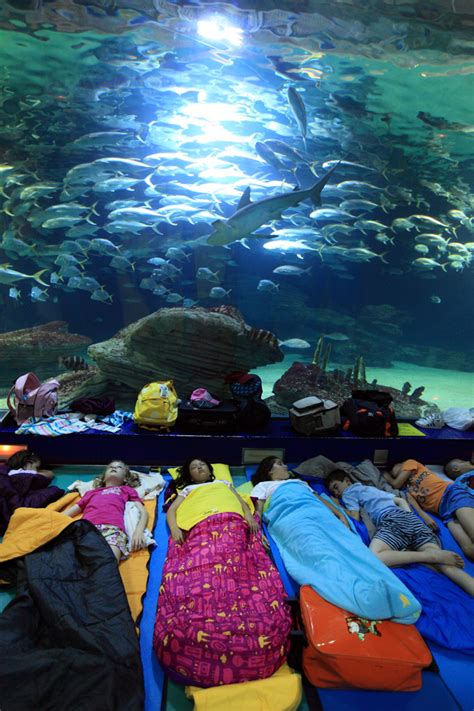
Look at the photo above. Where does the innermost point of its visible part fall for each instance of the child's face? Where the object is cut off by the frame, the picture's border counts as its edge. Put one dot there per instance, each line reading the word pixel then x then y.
pixel 115 473
pixel 337 488
pixel 279 471
pixel 199 471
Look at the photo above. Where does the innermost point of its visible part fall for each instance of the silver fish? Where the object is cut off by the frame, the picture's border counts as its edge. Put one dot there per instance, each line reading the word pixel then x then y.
pixel 299 111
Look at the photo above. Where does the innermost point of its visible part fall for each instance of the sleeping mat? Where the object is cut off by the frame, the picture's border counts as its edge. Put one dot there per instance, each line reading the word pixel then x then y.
pixel 318 550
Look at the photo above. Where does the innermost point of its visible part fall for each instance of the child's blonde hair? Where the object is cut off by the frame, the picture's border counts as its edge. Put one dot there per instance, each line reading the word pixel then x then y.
pixel 131 478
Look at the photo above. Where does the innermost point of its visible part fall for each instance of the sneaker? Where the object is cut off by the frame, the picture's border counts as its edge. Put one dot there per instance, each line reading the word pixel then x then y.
pixel 434 421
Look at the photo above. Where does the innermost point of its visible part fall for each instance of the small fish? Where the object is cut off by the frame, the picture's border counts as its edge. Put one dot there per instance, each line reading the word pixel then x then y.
pixel 336 336
pixel 159 290
pixel 435 299
pixel 205 274
pixel 101 295
pixel 14 293
pixel 122 264
pixel 421 248
pixel 174 298
pixel 73 362
pixel 10 276
pixel 295 343
pixel 299 111
pixel 189 303
pixel 217 292
pixel 148 283
pixel 38 294
pixel 290 270
pixel 176 253
pixel 427 263
pixel 268 286
pixel 267 155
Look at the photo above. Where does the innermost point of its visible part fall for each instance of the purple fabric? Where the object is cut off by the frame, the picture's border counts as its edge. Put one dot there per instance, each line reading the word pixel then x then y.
pixel 103 405
pixel 30 490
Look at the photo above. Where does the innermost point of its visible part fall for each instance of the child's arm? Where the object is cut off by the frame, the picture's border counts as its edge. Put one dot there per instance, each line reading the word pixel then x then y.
pixel 247 513
pixel 338 514
pixel 430 522
pixel 401 503
pixel 176 533
pixel 73 511
pixel 137 541
pixel 398 481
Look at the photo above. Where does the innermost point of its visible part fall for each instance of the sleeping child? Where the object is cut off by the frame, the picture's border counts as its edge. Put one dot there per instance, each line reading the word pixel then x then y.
pixel 193 474
pixel 453 502
pixel 270 475
pixel 400 537
pixel 26 463
pixel 104 506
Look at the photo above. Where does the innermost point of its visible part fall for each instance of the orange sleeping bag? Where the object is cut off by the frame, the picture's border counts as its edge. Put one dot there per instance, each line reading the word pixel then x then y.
pixel 347 651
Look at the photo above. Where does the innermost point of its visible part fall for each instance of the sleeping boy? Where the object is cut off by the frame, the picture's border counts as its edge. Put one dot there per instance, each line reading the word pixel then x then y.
pixel 452 501
pixel 400 537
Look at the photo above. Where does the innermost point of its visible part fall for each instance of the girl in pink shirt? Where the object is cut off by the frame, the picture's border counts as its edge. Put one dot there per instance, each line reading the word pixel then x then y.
pixel 104 506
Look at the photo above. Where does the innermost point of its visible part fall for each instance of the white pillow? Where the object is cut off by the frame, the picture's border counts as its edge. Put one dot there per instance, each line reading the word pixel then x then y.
pixel 150 485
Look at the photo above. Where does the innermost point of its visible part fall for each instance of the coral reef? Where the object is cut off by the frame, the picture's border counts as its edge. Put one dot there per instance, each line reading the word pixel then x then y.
pixel 302 380
pixel 37 348
pixel 192 346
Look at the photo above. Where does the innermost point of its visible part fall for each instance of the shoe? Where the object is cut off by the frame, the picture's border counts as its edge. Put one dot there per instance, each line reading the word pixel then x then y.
pixel 433 421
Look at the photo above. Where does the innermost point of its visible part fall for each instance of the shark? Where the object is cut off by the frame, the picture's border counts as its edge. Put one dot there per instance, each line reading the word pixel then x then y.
pixel 249 216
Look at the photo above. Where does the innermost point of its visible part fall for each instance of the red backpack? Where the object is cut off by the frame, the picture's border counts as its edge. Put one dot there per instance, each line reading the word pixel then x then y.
pixel 31 398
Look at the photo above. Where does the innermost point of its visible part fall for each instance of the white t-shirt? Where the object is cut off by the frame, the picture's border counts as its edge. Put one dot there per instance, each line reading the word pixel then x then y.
pixel 265 489
pixel 187 489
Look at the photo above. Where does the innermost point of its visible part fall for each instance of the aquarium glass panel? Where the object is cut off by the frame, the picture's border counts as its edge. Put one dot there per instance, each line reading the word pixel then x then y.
pixel 191 189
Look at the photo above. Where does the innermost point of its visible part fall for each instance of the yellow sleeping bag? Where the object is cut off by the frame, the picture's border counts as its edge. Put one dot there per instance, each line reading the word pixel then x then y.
pixel 207 501
pixel 280 692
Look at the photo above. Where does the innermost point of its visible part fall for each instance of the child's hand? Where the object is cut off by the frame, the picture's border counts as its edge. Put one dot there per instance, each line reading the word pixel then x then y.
pixel 431 523
pixel 251 522
pixel 177 535
pixel 137 542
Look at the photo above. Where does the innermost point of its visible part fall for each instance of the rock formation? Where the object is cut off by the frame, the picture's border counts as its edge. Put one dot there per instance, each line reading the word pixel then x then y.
pixel 38 349
pixel 302 380
pixel 193 347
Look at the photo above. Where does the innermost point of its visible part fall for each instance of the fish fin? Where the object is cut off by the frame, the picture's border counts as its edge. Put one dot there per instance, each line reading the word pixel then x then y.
pixel 37 277
pixel 382 257
pixel 297 187
pixel 245 199
pixel 315 194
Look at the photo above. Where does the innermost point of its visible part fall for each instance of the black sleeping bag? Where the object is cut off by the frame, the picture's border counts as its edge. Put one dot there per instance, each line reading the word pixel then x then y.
pixel 67 640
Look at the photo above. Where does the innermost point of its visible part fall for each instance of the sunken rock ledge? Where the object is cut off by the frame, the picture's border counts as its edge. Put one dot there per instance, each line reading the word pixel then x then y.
pixel 194 347
pixel 37 349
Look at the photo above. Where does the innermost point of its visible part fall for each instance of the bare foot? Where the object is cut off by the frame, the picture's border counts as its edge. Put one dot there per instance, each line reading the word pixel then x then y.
pixel 445 558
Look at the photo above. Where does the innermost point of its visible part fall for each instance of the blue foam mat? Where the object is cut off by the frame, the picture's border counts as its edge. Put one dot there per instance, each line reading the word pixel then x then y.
pixel 153 673
pixel 451 689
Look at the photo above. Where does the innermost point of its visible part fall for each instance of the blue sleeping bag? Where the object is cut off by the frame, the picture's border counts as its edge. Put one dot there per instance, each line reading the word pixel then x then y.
pixel 318 550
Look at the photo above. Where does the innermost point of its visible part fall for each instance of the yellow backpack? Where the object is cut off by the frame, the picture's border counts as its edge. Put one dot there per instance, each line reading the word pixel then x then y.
pixel 156 406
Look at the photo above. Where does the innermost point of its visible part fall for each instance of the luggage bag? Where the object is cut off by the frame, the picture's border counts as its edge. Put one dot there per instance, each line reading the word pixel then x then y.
pixel 347 651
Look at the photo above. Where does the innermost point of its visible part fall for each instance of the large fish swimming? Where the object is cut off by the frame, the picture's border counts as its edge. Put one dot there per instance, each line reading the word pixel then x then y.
pixel 249 216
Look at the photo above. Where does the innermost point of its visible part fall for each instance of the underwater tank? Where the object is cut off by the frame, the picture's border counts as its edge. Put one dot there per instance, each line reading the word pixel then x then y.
pixel 291 180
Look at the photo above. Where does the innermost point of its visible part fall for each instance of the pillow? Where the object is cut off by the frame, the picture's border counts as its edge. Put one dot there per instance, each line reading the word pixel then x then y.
pixel 319 466
pixel 150 485
pixel 245 488
pixel 221 471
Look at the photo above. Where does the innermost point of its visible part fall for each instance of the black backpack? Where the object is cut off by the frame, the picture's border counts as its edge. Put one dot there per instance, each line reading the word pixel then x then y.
pixel 253 412
pixel 368 413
